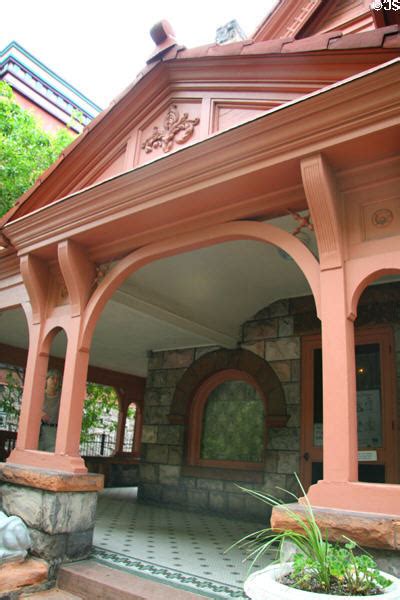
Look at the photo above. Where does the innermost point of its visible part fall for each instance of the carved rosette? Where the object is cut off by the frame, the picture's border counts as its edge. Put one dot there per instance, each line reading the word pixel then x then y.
pixel 177 129
pixel 382 217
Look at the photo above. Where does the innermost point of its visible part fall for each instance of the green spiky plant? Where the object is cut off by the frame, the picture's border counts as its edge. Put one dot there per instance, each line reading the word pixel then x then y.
pixel 317 565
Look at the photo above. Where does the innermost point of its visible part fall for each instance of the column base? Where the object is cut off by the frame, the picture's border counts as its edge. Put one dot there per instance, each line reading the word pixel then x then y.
pixel 357 496
pixel 47 461
pixel 366 529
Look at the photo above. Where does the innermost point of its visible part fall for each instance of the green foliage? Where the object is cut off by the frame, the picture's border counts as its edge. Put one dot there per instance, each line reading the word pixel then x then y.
pixel 318 566
pixel 26 150
pixel 233 425
pixel 11 395
pixel 100 401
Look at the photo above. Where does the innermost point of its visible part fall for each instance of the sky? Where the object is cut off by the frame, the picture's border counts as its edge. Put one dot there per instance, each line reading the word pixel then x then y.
pixel 99 46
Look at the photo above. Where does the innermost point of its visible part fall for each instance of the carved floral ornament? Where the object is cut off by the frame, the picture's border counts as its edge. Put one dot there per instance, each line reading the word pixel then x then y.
pixel 382 217
pixel 177 129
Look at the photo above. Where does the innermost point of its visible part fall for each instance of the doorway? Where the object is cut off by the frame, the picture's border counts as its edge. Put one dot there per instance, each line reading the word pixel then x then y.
pixel 376 409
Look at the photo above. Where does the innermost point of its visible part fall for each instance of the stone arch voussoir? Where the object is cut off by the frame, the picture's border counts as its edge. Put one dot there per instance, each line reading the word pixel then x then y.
pixel 220 360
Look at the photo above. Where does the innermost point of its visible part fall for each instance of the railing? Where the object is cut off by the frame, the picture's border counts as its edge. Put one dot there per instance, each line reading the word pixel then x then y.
pixel 7 443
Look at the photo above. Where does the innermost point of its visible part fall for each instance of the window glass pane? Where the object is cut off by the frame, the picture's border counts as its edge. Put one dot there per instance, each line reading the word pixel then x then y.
pixel 233 423
pixel 369 410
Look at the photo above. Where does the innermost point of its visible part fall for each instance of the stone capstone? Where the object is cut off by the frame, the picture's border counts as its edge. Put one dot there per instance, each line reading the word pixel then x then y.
pixel 14 576
pixel 366 529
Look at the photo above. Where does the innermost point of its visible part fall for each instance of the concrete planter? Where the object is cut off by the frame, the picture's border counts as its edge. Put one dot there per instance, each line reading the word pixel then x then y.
pixel 263 585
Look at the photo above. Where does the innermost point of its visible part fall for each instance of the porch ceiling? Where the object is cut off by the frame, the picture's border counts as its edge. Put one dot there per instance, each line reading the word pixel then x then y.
pixel 199 298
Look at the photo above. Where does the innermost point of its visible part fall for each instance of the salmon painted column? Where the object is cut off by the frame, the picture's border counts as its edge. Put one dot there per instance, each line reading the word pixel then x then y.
pixel 338 354
pixel 57 301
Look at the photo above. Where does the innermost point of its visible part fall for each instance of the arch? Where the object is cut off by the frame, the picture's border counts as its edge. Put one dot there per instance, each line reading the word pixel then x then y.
pixel 241 360
pixel 49 337
pixel 218 234
pixel 361 273
pixel 196 419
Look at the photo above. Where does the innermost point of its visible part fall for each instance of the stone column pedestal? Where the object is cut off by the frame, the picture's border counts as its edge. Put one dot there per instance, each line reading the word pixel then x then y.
pixel 58 508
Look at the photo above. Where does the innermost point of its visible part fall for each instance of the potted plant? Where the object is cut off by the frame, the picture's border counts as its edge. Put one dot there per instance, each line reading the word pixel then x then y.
pixel 308 566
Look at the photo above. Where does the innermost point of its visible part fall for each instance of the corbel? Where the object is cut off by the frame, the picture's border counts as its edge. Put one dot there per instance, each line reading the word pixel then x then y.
pixel 35 275
pixel 78 273
pixel 324 202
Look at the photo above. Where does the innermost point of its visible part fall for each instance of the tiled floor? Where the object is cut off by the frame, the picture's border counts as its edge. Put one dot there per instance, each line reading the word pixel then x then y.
pixel 185 549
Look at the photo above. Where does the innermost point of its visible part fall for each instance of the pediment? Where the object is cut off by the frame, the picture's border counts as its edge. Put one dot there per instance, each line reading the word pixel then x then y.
pixel 195 95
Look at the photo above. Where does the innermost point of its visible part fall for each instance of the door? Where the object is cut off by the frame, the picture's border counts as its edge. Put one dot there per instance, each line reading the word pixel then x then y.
pixel 376 411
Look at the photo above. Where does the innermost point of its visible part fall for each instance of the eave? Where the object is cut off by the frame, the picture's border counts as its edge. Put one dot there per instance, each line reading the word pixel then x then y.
pixel 183 189
pixel 294 66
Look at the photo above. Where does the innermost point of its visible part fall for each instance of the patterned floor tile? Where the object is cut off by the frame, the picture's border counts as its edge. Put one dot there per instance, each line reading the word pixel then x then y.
pixel 178 547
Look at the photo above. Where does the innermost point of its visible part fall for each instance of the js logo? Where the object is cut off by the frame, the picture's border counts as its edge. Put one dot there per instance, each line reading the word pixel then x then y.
pixel 385 5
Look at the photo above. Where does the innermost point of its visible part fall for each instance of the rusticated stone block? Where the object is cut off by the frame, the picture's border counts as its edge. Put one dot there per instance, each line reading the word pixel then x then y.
pixel 294 415
pixel 292 392
pixel 279 308
pixel 295 368
pixel 149 434
pixel 175 455
pixel 157 379
pixel 198 499
pixel 156 453
pixel 236 504
pixel 159 396
pixel 288 462
pixel 150 491
pixel 282 349
pixel 285 326
pixel 46 546
pixel 170 434
pixel 14 576
pixel 210 484
pixel 149 473
pixel 156 415
pixel 367 530
pixel 23 502
pixel 177 359
pixel 283 369
pixel 169 474
pixel 174 494
pixel 286 438
pixel 79 544
pixel 272 482
pixel 65 513
pixel 217 501
pixel 260 330
pixel 257 348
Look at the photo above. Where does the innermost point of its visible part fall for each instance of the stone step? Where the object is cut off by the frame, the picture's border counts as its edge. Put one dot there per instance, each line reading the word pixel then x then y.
pixel 92 581
pixel 54 594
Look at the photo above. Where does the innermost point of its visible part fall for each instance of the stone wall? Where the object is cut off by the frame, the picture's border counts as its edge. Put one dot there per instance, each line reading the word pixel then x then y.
pixel 164 478
pixel 274 334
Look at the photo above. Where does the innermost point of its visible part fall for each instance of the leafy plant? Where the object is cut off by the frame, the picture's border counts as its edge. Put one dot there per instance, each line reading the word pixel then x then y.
pixel 317 565
pixel 26 149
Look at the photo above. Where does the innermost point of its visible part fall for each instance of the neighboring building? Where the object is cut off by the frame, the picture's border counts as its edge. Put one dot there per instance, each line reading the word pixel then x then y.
pixel 214 235
pixel 41 90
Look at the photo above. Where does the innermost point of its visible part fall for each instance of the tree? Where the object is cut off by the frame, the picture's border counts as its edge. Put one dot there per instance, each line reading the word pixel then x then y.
pixel 26 150
pixel 100 402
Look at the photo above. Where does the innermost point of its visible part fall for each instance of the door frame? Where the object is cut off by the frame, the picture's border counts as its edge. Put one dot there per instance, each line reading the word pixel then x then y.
pixel 382 335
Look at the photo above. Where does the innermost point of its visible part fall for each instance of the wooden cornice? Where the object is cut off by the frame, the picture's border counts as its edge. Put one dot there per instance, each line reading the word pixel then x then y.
pixel 358 106
pixel 287 70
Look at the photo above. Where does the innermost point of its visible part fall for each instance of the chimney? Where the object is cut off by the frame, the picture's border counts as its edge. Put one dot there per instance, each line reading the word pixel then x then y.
pixel 231 32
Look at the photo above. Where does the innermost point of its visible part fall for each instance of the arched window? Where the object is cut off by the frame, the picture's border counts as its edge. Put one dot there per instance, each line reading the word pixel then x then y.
pixel 227 422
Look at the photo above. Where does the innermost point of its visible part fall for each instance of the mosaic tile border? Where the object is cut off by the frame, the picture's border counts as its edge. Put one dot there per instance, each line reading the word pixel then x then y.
pixel 162 574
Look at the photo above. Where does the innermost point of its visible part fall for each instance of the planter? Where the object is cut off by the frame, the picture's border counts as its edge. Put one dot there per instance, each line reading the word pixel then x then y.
pixel 263 585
